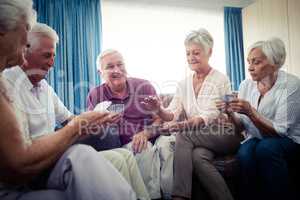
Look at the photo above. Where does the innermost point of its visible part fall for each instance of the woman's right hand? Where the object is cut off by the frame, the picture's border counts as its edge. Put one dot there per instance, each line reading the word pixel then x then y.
pixel 222 106
pixel 152 104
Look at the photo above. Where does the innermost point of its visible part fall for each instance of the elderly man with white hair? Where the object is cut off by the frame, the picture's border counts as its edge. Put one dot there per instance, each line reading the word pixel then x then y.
pixel 133 130
pixel 38 163
pixel 268 109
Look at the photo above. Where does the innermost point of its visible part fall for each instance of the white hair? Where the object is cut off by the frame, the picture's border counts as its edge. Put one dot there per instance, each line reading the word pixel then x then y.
pixel 200 37
pixel 273 49
pixel 41 30
pixel 13 12
pixel 103 54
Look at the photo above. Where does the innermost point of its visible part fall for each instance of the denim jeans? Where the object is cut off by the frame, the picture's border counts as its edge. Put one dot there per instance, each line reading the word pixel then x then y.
pixel 264 168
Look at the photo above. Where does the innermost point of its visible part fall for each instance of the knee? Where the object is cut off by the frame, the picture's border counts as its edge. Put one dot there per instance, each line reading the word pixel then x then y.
pixel 267 149
pixel 181 138
pixel 81 154
pixel 126 154
pixel 116 159
pixel 200 154
pixel 80 151
pixel 161 141
pixel 245 154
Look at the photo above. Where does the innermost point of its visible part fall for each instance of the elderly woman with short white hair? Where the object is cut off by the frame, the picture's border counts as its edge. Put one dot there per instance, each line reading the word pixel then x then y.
pixel 199 138
pixel 268 109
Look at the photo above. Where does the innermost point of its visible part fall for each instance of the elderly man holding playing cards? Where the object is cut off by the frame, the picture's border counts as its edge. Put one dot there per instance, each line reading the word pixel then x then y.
pixel 135 129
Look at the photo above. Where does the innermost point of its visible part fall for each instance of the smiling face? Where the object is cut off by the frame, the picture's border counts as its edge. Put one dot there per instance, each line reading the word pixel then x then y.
pixel 196 56
pixel 259 66
pixel 113 69
pixel 40 58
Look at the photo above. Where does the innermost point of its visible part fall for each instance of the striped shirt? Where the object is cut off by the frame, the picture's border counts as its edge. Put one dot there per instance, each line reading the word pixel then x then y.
pixel 280 105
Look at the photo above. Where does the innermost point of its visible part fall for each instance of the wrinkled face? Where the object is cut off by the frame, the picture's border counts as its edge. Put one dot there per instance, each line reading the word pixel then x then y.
pixel 40 58
pixel 196 56
pixel 259 66
pixel 13 44
pixel 113 69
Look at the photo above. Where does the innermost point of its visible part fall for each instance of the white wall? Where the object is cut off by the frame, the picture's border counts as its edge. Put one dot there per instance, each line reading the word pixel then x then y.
pixel 151 38
pixel 275 18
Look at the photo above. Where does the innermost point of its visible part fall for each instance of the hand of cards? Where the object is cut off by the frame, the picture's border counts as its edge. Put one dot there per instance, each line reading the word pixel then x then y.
pixel 107 106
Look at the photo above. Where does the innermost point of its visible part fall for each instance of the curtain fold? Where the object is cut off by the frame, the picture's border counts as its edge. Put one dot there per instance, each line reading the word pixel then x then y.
pixel 234 49
pixel 78 25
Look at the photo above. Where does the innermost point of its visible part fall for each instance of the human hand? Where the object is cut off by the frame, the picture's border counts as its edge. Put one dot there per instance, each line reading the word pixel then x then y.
pixel 241 106
pixel 223 106
pixel 87 122
pixel 139 142
pixel 152 103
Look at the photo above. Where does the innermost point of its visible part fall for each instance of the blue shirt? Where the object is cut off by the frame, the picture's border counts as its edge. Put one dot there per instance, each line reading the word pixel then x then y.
pixel 280 105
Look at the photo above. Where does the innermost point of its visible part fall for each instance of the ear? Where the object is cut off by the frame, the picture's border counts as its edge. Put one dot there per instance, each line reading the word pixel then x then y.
pixel 209 52
pixel 99 72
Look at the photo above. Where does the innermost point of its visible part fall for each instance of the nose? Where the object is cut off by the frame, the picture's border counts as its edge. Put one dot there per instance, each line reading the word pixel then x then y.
pixel 51 61
pixel 117 69
pixel 250 67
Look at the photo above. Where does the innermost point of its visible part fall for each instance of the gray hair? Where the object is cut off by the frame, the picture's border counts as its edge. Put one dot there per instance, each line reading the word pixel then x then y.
pixel 273 49
pixel 13 11
pixel 201 37
pixel 41 30
pixel 103 54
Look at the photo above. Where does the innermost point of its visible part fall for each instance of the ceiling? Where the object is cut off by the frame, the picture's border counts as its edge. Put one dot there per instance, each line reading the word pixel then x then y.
pixel 189 3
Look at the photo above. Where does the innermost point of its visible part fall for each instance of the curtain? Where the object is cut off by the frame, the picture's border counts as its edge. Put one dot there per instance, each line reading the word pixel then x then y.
pixel 78 25
pixel 234 49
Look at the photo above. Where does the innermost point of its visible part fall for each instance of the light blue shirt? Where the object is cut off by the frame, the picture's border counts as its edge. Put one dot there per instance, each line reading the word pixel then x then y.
pixel 280 105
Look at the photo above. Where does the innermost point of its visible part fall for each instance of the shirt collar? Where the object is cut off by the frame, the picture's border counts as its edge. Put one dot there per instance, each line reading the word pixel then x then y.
pixel 110 95
pixel 19 77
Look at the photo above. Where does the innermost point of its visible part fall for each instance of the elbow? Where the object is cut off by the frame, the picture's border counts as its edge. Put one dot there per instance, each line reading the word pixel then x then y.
pixel 15 173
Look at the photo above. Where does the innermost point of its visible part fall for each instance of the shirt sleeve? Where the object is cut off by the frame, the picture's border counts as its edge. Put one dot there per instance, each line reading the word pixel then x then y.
pixel 89 102
pixel 287 113
pixel 176 106
pixel 61 112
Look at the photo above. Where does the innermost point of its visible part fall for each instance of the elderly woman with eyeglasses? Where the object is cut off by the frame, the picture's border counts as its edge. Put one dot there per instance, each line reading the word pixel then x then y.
pixel 268 109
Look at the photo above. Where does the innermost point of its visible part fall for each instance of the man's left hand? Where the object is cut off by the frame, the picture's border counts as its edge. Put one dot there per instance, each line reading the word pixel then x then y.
pixel 139 142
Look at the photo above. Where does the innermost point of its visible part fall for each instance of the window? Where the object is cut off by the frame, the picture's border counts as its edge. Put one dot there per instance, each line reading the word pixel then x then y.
pixel 151 37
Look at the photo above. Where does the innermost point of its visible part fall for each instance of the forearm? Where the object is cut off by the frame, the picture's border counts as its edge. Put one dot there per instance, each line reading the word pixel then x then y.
pixel 165 115
pixel 152 132
pixel 45 151
pixel 265 126
pixel 236 121
pixel 33 158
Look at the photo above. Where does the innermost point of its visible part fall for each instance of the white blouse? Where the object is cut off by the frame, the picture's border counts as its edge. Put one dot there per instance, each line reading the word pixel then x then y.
pixel 213 88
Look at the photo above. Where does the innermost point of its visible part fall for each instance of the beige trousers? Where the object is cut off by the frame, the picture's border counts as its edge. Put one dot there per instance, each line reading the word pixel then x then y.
pixel 194 150
pixel 125 162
